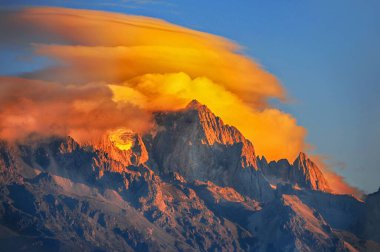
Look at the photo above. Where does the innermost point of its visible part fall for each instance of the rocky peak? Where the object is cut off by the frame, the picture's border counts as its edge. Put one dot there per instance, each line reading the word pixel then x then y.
pixel 304 162
pixel 195 105
pixel 197 144
pixel 197 124
pixel 212 127
pixel 308 174
pixel 262 159
pixel 303 173
pixel 302 158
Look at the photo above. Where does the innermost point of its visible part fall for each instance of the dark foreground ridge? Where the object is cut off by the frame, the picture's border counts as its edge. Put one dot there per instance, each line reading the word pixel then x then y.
pixel 195 184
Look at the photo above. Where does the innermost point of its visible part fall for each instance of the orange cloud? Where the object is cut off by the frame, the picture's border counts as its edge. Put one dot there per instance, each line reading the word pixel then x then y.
pixel 340 186
pixel 84 112
pixel 154 65
pixel 94 45
pixel 113 70
pixel 336 182
pixel 273 132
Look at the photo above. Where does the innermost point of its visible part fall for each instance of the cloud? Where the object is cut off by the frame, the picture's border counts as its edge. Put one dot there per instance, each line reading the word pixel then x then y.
pixel 336 182
pixel 273 132
pixel 112 71
pixel 152 64
pixel 340 186
pixel 127 46
pixel 48 108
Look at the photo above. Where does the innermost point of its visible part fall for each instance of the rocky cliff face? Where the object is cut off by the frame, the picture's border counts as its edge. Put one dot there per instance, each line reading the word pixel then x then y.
pixel 303 173
pixel 198 145
pixel 307 174
pixel 192 185
pixel 136 154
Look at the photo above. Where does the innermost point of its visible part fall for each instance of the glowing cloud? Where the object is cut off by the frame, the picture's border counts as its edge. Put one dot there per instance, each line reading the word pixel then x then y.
pixel 273 132
pixel 84 112
pixel 336 182
pixel 153 65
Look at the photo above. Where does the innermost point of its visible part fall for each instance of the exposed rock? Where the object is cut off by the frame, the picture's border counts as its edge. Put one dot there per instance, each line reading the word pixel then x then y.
pixel 307 174
pixel 136 154
pixel 193 185
pixel 303 173
pixel 286 224
pixel 198 145
pixel 80 212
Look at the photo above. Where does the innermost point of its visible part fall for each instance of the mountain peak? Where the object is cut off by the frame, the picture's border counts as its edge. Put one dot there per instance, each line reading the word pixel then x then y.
pixel 194 104
pixel 303 173
pixel 213 128
pixel 302 156
pixel 197 106
pixel 197 144
pixel 304 159
pixel 306 171
pixel 201 124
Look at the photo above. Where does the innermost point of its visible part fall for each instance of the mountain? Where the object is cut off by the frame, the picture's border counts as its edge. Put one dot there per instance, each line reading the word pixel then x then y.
pixel 192 184
pixel 198 145
pixel 303 173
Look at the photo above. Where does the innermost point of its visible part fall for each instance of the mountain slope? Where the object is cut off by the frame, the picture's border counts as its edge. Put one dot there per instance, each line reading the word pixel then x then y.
pixel 289 225
pixel 176 217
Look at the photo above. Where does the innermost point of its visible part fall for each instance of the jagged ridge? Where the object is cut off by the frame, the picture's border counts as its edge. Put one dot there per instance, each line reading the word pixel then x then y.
pixel 193 185
pixel 303 173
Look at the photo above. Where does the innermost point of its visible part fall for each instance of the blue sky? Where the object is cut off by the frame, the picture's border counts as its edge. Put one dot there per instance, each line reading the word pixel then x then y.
pixel 325 53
